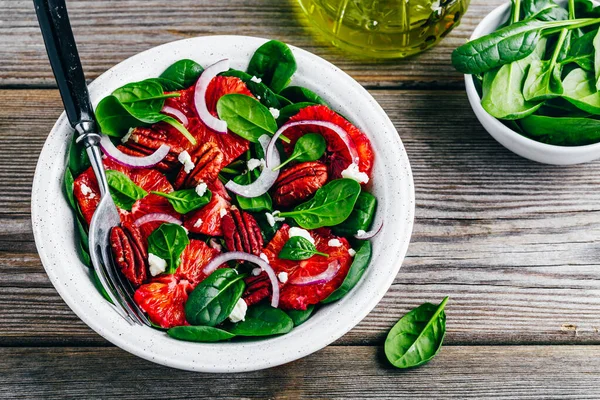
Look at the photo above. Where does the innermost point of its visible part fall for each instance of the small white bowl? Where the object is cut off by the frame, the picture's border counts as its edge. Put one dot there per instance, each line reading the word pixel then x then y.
pixel 515 142
pixel 55 237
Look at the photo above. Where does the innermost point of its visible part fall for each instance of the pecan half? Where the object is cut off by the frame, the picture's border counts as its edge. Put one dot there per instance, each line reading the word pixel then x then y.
pixel 129 252
pixel 208 160
pixel 299 182
pixel 241 232
pixel 145 141
pixel 257 288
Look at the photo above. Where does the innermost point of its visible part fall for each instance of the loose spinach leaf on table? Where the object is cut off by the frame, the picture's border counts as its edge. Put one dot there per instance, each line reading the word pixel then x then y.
pixel 298 248
pixel 203 334
pixel 301 316
pixel 417 337
pixel 579 89
pixel 184 73
pixel 263 320
pixel 361 217
pixel 214 298
pixel 274 63
pixel 361 261
pixel 331 205
pixel 299 94
pixel 562 131
pixel 123 190
pixel 186 200
pixel 290 110
pixel 168 242
pixel 246 116
pixel 309 147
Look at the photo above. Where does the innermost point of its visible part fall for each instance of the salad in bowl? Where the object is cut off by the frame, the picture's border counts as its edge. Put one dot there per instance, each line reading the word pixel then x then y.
pixel 245 202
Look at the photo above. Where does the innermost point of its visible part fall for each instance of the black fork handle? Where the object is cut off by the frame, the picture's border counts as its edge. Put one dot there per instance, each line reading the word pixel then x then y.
pixel 64 59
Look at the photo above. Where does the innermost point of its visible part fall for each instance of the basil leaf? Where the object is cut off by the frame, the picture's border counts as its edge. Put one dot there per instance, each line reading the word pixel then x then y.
pixel 254 204
pixel 361 217
pixel 309 147
pixel 299 94
pixel 263 320
pixel 301 316
pixel 579 90
pixel 186 200
pixel 274 63
pixel 214 298
pixel 68 186
pixel 562 131
pixel 183 72
pixel 123 191
pixel 168 242
pixel 204 334
pixel 298 248
pixel 246 117
pixel 361 261
pixel 331 205
pixel 289 111
pixel 417 337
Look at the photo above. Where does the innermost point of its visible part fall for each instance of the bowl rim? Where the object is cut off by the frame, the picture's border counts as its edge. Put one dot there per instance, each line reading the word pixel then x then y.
pixel 485 24
pixel 338 317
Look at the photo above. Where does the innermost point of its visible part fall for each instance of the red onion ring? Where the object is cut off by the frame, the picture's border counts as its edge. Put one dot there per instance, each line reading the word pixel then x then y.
pixel 175 113
pixel 206 77
pixel 370 234
pixel 323 277
pixel 109 149
pixel 239 255
pixel 343 135
pixel 156 217
pixel 265 180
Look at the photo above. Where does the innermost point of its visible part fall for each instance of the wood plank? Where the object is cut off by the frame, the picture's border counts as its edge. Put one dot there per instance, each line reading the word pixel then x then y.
pixel 108 32
pixel 554 372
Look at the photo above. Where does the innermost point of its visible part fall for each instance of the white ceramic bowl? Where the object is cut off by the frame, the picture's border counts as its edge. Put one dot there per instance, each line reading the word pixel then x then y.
pixel 515 142
pixel 53 222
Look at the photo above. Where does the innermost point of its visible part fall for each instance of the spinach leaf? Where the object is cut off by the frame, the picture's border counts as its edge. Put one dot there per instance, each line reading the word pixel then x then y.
pixel 299 94
pixel 183 72
pixel 581 52
pixel 417 337
pixel 99 286
pixel 543 80
pixel 266 229
pixel 246 116
pixel 579 90
pixel 168 242
pixel 263 320
pixel 562 131
pixel 261 91
pixel 289 111
pixel 309 147
pixel 204 334
pixel 122 189
pixel 361 261
pixel 274 63
pixel 331 205
pixel 596 43
pixel 254 204
pixel 298 248
pixel 68 185
pixel 361 217
pixel 545 10
pixel 301 316
pixel 146 94
pixel 166 84
pixel 78 158
pixel 586 9
pixel 282 100
pixel 214 298
pixel 186 200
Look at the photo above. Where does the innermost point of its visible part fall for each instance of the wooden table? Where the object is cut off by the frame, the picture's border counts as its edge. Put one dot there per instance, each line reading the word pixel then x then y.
pixel 513 243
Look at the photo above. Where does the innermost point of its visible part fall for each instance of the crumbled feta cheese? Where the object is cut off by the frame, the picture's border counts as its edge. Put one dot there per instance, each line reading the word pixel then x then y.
pixel 294 231
pixel 255 79
pixel 283 277
pixel 334 243
pixel 253 163
pixel 86 191
pixel 125 138
pixel 352 172
pixel 360 232
pixel 198 223
pixel 352 252
pixel 256 271
pixel 258 97
pixel 186 160
pixel 201 189
pixel 274 112
pixel 375 23
pixel 157 265
pixel 264 257
pixel 222 212
pixel 273 218
pixel 239 311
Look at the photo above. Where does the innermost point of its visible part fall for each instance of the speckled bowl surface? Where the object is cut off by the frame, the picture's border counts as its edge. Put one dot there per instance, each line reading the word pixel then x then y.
pixel 53 220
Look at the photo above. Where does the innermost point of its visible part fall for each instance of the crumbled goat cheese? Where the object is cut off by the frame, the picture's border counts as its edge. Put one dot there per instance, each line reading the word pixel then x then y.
pixel 198 223
pixel 239 311
pixel 352 252
pixel 294 231
pixel 253 163
pixel 258 97
pixel 86 191
pixel 273 218
pixel 255 79
pixel 256 271
pixel 274 112
pixel 125 138
pixel 334 243
pixel 157 265
pixel 201 189
pixel 360 232
pixel 283 277
pixel 264 257
pixel 222 212
pixel 186 160
pixel 352 172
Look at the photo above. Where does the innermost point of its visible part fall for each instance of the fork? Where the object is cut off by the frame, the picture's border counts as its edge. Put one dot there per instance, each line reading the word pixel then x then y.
pixel 66 65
